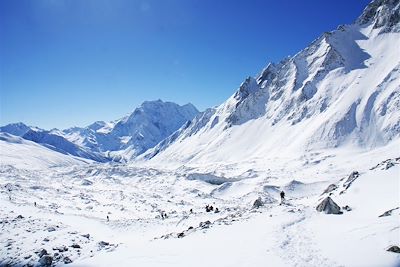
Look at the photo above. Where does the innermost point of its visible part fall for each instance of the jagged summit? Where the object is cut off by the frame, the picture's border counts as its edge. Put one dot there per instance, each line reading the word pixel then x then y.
pixel 383 14
pixel 149 124
pixel 17 129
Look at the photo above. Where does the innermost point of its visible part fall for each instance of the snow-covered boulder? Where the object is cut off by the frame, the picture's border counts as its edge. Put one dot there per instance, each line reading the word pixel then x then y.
pixel 329 207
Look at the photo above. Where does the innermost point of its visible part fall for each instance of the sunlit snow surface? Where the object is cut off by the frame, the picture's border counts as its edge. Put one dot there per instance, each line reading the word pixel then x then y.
pixel 75 200
pixel 326 118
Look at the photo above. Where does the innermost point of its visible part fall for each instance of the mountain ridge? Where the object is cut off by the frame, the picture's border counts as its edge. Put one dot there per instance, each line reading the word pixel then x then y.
pixel 103 141
pixel 335 92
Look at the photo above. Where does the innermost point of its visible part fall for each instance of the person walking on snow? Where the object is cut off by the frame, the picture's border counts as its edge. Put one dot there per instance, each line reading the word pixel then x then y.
pixel 282 196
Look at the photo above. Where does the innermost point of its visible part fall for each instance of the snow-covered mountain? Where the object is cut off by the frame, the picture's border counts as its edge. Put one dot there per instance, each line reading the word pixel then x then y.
pixel 132 135
pixel 17 129
pixel 341 90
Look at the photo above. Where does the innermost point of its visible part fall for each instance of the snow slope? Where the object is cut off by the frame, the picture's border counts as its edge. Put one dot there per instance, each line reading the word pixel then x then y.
pixel 62 145
pixel 24 154
pixel 342 90
pixel 73 203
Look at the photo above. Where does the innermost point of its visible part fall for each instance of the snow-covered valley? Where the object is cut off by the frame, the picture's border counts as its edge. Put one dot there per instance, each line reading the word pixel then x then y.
pixel 167 185
pixel 60 207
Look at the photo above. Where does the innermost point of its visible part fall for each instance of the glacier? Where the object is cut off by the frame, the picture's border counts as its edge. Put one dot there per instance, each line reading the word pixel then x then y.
pixel 134 191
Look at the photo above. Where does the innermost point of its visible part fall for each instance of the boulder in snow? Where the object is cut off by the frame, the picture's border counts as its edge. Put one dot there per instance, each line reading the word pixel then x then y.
pixel 329 207
pixel 181 235
pixel 258 203
pixel 103 244
pixel 330 188
pixel 86 235
pixel 352 177
pixel 67 260
pixel 346 208
pixel 46 260
pixel 75 246
pixel 61 248
pixel 42 252
pixel 389 212
pixel 205 224
pixel 394 249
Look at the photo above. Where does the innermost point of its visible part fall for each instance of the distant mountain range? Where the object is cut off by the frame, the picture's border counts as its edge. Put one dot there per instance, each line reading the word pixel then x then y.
pixel 132 135
pixel 341 90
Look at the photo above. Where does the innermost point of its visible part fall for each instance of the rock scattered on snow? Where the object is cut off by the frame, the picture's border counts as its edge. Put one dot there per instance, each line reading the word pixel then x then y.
pixel 51 229
pixel 181 235
pixel 75 246
pixel 329 207
pixel 330 188
pixel 57 256
pixel 352 177
pixel 42 252
pixel 67 260
pixel 389 212
pixel 86 235
pixel 346 208
pixel 103 243
pixel 61 248
pixel 394 249
pixel 205 224
pixel 46 260
pixel 387 164
pixel 258 203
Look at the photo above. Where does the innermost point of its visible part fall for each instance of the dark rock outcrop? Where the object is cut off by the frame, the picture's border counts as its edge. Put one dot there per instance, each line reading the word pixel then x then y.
pixel 329 207
pixel 330 188
pixel 389 212
pixel 394 249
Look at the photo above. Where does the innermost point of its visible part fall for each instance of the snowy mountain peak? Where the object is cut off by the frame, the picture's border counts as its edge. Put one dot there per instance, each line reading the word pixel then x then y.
pixel 268 73
pixel 150 123
pixel 97 125
pixel 133 134
pixel 248 87
pixel 17 129
pixel 383 14
pixel 342 89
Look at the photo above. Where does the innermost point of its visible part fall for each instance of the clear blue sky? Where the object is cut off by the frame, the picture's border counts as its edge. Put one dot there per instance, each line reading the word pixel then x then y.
pixel 70 63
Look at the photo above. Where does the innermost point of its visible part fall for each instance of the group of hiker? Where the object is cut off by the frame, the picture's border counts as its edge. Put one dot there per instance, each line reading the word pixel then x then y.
pixel 209 208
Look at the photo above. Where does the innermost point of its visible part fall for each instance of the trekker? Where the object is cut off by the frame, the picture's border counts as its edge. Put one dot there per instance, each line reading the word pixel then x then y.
pixel 282 196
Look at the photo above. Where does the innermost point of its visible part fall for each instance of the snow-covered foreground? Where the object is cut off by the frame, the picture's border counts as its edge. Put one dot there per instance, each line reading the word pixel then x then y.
pixel 70 222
